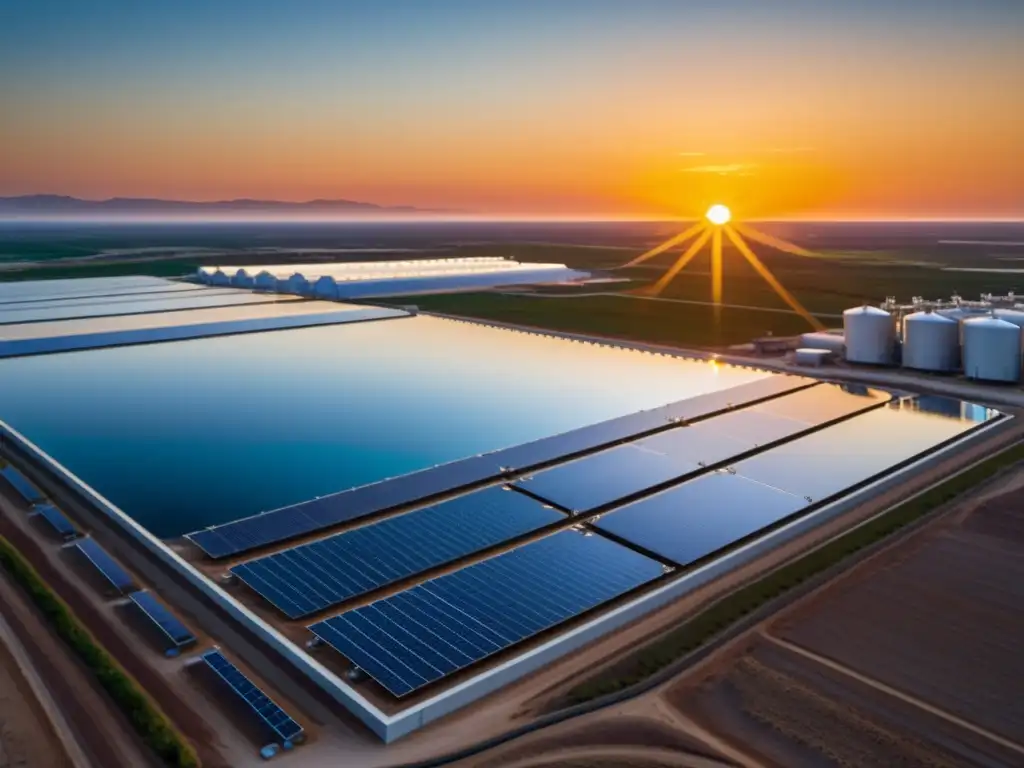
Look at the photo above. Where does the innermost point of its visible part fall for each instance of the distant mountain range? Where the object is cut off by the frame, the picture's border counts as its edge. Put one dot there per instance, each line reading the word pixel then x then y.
pixel 62 205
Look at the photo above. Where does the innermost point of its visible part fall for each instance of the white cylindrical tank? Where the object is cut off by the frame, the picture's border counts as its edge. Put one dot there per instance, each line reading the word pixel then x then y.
pixel 869 334
pixel 1014 316
pixel 931 342
pixel 992 349
pixel 820 340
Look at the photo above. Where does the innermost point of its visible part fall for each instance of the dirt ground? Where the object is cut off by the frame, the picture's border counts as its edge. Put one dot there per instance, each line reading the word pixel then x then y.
pixel 911 658
pixel 914 663
pixel 26 737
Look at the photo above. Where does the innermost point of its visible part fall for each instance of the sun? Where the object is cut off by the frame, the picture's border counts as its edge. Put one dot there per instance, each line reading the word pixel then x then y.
pixel 718 215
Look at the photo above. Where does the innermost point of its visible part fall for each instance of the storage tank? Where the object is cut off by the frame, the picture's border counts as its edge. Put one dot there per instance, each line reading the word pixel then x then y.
pixel 869 334
pixel 931 342
pixel 1014 316
pixel 992 349
pixel 832 342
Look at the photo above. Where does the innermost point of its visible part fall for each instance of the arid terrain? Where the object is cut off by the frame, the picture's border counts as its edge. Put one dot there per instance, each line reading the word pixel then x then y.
pixel 911 658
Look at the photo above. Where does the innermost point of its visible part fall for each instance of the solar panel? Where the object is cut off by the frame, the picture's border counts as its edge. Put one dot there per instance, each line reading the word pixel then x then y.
pixel 28 492
pixel 433 630
pixel 606 477
pixel 60 524
pixel 270 715
pixel 118 577
pixel 30 313
pixel 291 522
pixel 701 516
pixel 827 462
pixel 308 578
pixel 176 633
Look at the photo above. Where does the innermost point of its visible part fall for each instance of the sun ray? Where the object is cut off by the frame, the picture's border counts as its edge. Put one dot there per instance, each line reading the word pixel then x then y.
pixel 682 237
pixel 773 242
pixel 685 259
pixel 716 271
pixel 716 266
pixel 769 278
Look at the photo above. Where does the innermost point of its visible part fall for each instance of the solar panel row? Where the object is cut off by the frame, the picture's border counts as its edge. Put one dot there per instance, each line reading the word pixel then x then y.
pixel 308 578
pixel 109 568
pixel 300 519
pixel 60 524
pixel 610 476
pixel 28 492
pixel 174 631
pixel 430 631
pixel 709 513
pixel 180 301
pixel 271 716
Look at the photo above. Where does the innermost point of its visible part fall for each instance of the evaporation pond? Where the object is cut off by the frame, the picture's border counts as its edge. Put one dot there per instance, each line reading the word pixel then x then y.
pixel 185 434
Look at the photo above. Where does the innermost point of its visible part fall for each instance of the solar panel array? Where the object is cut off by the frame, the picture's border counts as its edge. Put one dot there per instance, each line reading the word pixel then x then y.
pixel 174 631
pixel 318 514
pixel 433 630
pixel 700 517
pixel 60 524
pixel 35 313
pixel 109 568
pixel 601 478
pixel 616 474
pixel 28 492
pixel 271 716
pixel 311 577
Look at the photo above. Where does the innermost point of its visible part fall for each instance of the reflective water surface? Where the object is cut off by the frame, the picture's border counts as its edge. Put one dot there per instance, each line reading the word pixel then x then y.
pixel 186 434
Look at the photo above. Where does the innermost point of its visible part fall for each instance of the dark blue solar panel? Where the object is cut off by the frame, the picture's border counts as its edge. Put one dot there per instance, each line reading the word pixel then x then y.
pixel 269 713
pixel 290 522
pixel 57 521
pixel 606 477
pixel 697 518
pixel 175 632
pixel 35 314
pixel 118 577
pixel 419 636
pixel 311 577
pixel 20 483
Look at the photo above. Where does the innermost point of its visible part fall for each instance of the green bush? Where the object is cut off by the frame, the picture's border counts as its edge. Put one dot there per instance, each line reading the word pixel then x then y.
pixel 148 721
pixel 705 625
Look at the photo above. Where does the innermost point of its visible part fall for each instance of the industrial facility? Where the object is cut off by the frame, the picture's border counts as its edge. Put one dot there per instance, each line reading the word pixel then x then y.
pixel 981 340
pixel 405 513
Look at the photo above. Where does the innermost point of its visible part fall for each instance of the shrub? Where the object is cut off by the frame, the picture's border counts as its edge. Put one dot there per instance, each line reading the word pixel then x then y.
pixel 151 724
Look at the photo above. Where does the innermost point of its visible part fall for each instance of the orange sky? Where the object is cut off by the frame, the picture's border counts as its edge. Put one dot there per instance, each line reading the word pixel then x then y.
pixel 780 116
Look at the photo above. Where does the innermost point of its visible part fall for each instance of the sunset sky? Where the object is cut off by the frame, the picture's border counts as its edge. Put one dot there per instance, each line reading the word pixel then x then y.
pixel 781 108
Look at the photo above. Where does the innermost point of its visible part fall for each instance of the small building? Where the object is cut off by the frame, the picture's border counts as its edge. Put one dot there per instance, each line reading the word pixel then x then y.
pixel 774 345
pixel 812 358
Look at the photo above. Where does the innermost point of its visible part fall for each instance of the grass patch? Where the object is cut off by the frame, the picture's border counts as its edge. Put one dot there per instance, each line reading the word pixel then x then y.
pixel 705 625
pixel 617 316
pixel 151 724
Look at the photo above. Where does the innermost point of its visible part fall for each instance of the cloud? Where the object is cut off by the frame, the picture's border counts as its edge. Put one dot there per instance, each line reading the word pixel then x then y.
pixel 789 150
pixel 743 169
pixel 692 154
